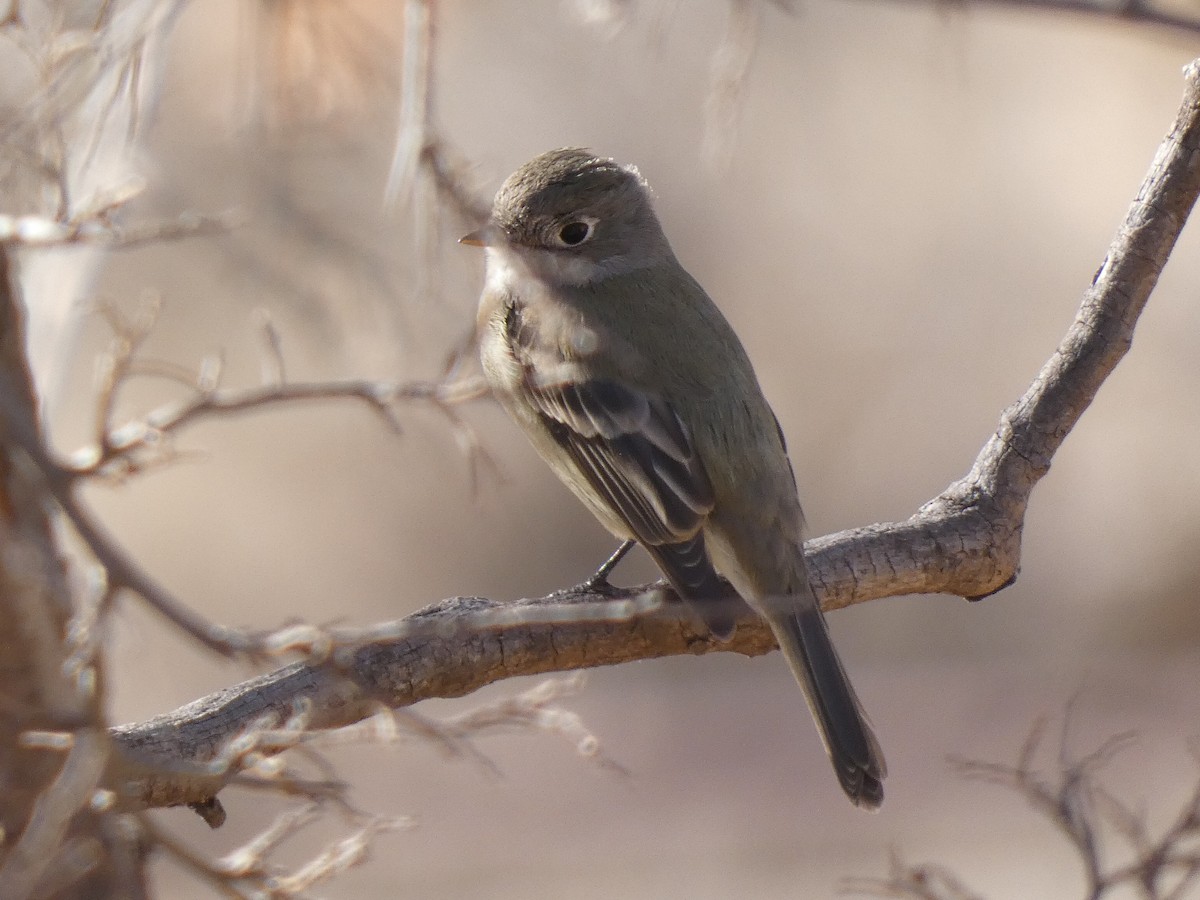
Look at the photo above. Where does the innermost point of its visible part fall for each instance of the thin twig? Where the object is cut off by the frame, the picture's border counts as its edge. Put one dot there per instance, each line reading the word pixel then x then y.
pixel 381 397
pixel 39 231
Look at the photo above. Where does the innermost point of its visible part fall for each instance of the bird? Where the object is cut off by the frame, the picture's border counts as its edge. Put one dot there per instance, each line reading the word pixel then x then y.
pixel 636 391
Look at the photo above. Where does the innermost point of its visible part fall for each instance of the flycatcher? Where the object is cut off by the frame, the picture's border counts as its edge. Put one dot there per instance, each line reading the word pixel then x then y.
pixel 634 388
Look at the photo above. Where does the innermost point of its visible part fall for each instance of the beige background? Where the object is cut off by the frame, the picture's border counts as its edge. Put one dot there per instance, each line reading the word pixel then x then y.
pixel 918 195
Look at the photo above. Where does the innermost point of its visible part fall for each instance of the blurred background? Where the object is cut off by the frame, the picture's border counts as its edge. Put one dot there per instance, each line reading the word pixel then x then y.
pixel 904 208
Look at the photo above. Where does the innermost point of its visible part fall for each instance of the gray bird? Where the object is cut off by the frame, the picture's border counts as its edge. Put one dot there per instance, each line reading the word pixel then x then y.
pixel 635 390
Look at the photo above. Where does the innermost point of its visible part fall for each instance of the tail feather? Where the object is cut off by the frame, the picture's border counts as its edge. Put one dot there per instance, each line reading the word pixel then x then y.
pixel 799 628
pixel 689 570
pixel 853 749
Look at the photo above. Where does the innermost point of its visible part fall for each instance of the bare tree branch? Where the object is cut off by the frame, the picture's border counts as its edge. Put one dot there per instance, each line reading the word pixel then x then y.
pixel 1137 12
pixel 31 859
pixel 965 541
pixel 140 444
pixel 46 798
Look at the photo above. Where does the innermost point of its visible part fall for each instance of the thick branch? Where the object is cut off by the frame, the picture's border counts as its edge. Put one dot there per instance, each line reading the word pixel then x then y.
pixel 966 541
pixel 44 799
pixel 1135 12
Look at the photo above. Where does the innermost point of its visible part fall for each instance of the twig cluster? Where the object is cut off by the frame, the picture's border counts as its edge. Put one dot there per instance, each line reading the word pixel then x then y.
pixel 249 872
pixel 122 450
pixel 1112 841
pixel 259 760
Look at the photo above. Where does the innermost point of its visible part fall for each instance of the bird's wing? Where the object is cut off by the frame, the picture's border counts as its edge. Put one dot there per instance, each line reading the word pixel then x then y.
pixel 636 454
pixel 634 451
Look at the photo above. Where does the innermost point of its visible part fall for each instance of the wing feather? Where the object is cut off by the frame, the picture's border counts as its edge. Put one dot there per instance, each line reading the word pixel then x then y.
pixel 634 451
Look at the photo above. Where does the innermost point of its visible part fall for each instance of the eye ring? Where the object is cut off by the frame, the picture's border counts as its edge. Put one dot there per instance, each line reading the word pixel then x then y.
pixel 576 232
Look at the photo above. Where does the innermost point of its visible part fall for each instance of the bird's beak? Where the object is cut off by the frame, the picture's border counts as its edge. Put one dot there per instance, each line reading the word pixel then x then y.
pixel 477 238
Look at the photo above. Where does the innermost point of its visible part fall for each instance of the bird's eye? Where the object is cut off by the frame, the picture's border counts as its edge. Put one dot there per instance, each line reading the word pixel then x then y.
pixel 575 233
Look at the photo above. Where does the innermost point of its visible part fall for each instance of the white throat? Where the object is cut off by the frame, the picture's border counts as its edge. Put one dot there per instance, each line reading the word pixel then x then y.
pixel 508 266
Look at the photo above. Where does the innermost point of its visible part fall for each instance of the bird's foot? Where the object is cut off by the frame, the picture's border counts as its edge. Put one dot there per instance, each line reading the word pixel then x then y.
pixel 598 583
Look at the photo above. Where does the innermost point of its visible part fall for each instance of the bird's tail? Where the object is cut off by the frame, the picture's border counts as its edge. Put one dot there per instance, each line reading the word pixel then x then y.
pixel 800 629
pixel 690 571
